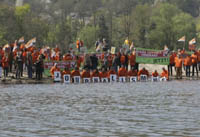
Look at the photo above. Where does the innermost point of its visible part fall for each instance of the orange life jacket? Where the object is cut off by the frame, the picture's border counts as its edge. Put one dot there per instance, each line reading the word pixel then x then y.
pixel 122 72
pixel 178 62
pixel 155 74
pixel 85 74
pixel 132 73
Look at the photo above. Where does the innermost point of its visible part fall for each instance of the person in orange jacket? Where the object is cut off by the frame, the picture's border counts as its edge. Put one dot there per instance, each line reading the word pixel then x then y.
pixel 194 63
pixel 111 72
pixel 75 73
pixel 79 44
pixel 53 69
pixel 95 73
pixel 103 73
pixel 66 71
pixel 178 65
pixel 187 64
pixel 155 73
pixel 143 71
pixel 85 74
pixel 172 62
pixel 132 73
pixel 123 59
pixel 164 74
pixel 57 49
pixel 78 61
pixel 132 60
pixel 5 65
pixel 122 72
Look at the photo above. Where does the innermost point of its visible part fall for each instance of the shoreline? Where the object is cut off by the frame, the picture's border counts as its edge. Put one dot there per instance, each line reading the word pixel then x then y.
pixel 10 80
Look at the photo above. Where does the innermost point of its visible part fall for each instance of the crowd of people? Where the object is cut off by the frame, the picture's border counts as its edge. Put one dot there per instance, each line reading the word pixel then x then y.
pixel 181 60
pixel 17 57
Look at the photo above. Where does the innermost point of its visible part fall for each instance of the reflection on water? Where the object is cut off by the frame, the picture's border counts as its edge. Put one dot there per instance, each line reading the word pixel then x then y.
pixel 142 109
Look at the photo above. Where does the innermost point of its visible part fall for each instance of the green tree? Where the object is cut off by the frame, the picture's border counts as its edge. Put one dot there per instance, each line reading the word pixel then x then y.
pixel 161 30
pixel 103 33
pixel 140 28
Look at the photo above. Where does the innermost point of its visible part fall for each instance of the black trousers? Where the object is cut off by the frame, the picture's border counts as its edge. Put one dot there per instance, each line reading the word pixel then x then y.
pixel 194 66
pixel 5 71
pixel 170 69
pixel 187 71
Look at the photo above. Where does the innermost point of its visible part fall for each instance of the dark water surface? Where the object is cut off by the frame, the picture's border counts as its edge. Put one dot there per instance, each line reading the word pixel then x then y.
pixel 140 109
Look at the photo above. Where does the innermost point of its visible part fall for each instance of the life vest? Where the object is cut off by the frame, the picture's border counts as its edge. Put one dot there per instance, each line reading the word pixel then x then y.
pixel 122 72
pixel 155 74
pixel 178 62
pixel 122 59
pixel 132 73
pixel 85 74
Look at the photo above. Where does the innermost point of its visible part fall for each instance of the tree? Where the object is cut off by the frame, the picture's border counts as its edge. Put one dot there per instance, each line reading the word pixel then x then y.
pixel 103 33
pixel 168 24
pixel 140 19
pixel 161 29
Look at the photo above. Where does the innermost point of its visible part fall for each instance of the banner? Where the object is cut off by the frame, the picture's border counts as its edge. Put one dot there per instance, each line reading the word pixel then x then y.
pixel 113 49
pixel 147 56
pixel 192 47
pixel 61 64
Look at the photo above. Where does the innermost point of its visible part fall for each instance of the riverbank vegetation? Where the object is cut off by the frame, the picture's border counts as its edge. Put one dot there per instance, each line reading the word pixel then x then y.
pixel 150 24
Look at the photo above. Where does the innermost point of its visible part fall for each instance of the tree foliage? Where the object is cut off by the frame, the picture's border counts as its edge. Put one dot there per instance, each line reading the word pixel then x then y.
pixel 150 24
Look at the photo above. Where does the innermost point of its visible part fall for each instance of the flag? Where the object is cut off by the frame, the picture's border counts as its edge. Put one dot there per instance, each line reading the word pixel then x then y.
pixel 193 41
pixel 31 43
pixel 182 39
pixel 21 40
pixel 53 53
pixel 5 47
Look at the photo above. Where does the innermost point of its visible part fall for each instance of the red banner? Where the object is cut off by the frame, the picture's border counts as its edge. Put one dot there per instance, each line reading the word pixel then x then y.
pixel 151 54
pixel 192 47
pixel 61 64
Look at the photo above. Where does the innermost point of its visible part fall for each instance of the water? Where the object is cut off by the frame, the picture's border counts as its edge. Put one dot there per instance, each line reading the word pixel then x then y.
pixel 142 109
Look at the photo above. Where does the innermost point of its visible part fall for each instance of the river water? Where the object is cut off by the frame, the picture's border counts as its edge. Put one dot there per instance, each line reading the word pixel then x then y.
pixel 95 110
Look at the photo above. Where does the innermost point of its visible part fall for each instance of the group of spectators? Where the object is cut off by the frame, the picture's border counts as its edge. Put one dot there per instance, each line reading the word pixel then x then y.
pixel 17 57
pixel 181 60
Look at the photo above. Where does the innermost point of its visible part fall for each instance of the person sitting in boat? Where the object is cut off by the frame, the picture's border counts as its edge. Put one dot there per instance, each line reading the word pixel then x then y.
pixel 54 69
pixel 144 72
pixel 96 75
pixel 85 74
pixel 75 73
pixel 155 73
pixel 132 73
pixel 103 74
pixel 155 76
pixel 112 75
pixel 122 72
pixel 164 74
pixel 111 72
pixel 66 71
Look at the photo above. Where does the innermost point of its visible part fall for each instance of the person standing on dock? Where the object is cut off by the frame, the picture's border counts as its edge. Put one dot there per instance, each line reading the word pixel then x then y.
pixel 178 65
pixel 19 65
pixel 29 64
pixel 187 64
pixel 194 63
pixel 172 62
pixel 5 65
